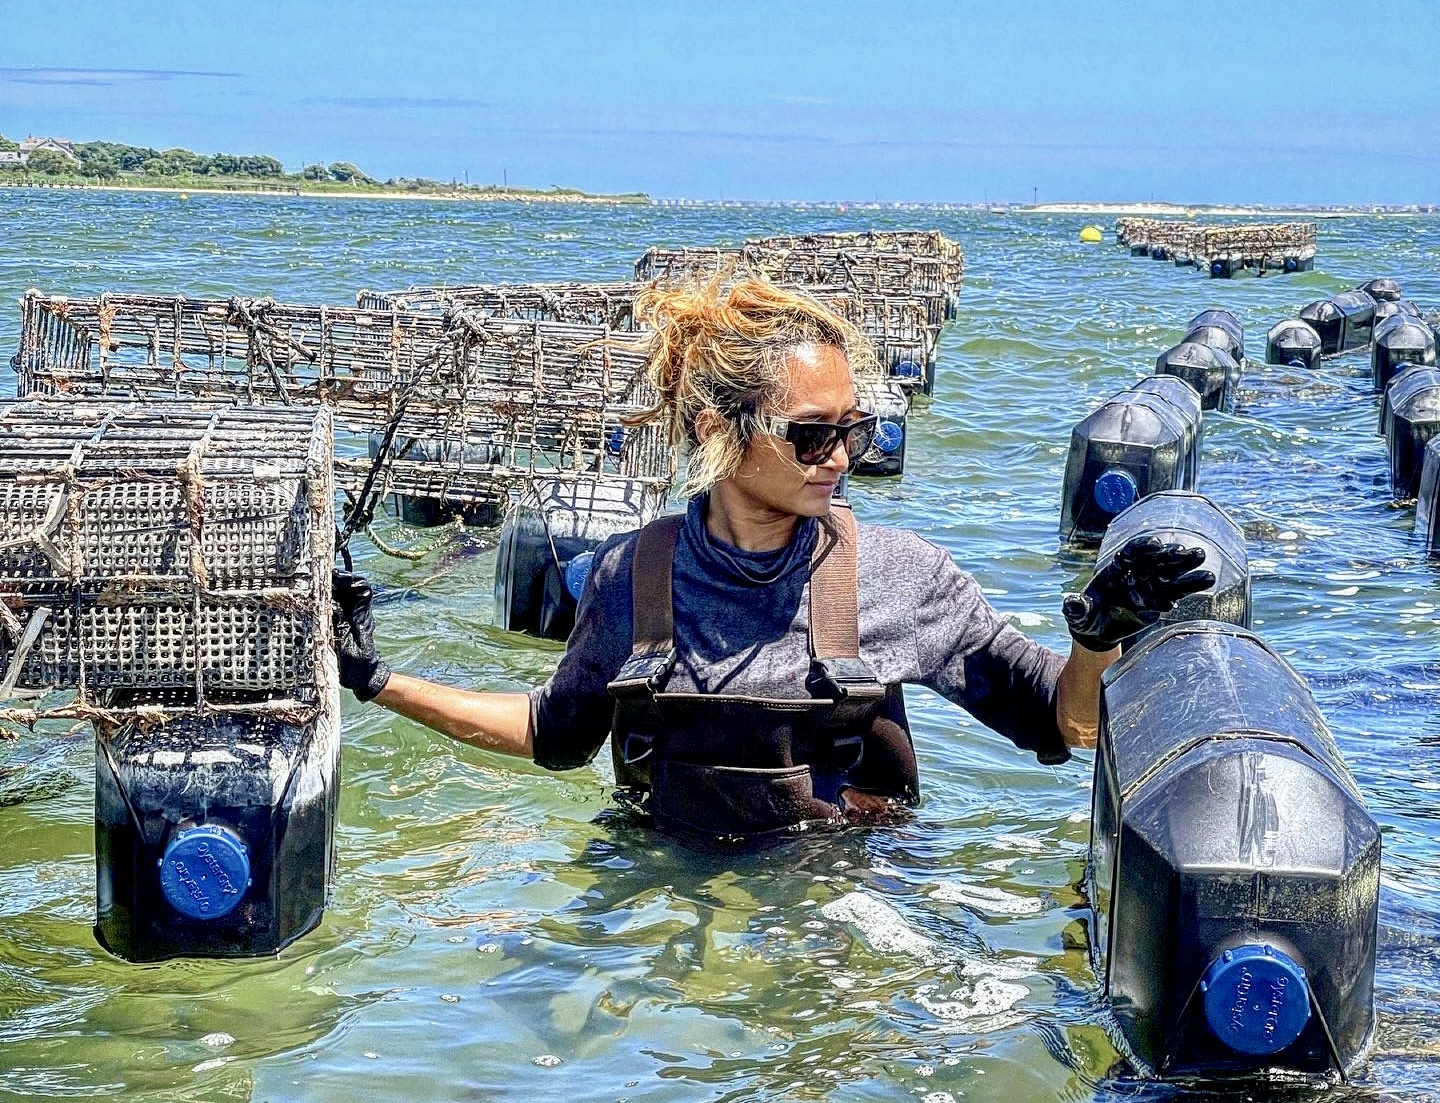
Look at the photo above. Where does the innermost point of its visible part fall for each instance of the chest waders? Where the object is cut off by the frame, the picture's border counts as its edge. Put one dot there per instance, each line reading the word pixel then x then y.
pixel 735 766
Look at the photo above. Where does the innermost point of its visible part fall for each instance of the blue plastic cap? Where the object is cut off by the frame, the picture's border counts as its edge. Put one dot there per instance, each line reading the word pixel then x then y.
pixel 888 437
pixel 205 871
pixel 576 572
pixel 1257 1000
pixel 908 369
pixel 1115 491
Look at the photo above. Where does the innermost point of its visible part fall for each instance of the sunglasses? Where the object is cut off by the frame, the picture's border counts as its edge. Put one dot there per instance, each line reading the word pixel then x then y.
pixel 815 441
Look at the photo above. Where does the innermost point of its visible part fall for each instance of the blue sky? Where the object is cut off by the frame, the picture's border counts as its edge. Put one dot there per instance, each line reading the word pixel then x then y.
pixel 1198 101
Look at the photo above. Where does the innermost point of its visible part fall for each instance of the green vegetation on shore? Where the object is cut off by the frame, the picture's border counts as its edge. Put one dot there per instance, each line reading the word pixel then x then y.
pixel 116 165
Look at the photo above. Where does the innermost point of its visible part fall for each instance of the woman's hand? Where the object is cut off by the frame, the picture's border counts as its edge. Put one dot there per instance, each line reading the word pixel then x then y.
pixel 1146 578
pixel 362 671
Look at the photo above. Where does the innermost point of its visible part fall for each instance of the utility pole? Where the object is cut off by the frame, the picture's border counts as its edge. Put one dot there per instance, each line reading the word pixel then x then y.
pixel 1034 196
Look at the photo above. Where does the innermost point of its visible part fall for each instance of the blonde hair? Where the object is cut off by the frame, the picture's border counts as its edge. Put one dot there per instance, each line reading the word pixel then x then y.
pixel 724 349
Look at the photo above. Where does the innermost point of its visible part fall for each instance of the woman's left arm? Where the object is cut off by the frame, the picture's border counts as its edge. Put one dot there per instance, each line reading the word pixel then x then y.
pixel 1077 694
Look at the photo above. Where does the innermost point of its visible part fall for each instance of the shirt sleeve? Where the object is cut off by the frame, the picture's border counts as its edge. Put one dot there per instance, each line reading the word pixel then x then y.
pixel 572 712
pixel 972 656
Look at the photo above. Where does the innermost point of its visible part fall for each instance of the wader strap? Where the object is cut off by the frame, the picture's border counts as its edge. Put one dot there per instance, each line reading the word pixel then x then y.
pixel 834 589
pixel 652 601
pixel 837 671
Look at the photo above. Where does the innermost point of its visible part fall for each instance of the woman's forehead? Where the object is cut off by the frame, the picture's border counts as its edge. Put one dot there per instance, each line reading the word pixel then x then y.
pixel 819 376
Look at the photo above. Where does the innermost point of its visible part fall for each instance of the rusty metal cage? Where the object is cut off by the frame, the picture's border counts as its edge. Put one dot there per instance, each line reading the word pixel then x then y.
pixel 898 326
pixel 479 404
pixel 868 271
pixel 920 243
pixel 602 304
pixel 1259 245
pixel 162 559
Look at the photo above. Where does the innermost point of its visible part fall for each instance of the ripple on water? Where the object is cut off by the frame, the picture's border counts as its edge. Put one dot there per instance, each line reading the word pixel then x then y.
pixel 642 969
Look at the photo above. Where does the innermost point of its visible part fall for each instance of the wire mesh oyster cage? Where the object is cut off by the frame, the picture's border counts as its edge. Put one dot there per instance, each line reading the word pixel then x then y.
pixel 474 405
pixel 920 243
pixel 918 262
pixel 603 304
pixel 865 272
pixel 164 558
pixel 898 326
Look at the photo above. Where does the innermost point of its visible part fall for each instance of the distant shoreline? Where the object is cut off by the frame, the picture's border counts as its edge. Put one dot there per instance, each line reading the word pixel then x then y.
pixel 1183 210
pixel 458 196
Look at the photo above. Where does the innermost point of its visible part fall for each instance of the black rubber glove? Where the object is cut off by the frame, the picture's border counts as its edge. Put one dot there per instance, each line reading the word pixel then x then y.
pixel 1146 578
pixel 362 670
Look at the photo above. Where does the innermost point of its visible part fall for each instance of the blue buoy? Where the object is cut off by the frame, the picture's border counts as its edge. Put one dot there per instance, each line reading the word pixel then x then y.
pixel 1218 269
pixel 205 871
pixel 1115 491
pixel 908 369
pixel 888 437
pixel 1292 264
pixel 1257 1000
pixel 576 572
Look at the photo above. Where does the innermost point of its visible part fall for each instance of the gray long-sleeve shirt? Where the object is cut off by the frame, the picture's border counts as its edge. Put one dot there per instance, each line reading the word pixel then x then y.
pixel 742 626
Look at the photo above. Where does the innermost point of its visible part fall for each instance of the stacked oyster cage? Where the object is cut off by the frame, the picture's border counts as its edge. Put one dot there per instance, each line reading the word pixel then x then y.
pixel 898 287
pixel 165 574
pixel 1222 251
pixel 481 404
pixel 914 294
pixel 164 560
pixel 463 411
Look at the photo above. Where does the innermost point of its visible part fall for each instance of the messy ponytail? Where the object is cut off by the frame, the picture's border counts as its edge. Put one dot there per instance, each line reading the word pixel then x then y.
pixel 723 349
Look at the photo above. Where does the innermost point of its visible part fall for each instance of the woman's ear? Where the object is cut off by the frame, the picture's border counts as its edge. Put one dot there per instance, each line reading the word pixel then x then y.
pixel 710 422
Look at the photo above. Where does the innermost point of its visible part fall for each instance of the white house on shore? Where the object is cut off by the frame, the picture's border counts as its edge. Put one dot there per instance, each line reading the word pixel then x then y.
pixel 15 158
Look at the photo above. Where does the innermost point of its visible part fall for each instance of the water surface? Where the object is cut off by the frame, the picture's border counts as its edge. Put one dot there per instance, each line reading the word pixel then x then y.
pixel 495 934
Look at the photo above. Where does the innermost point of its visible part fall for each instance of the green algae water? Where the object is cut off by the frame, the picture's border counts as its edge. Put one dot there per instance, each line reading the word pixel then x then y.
pixel 495 934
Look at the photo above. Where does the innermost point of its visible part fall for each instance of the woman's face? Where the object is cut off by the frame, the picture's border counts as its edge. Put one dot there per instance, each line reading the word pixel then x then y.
pixel 820 389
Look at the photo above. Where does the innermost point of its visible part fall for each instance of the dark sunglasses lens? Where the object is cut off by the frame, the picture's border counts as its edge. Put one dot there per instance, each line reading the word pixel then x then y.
pixel 860 438
pixel 814 441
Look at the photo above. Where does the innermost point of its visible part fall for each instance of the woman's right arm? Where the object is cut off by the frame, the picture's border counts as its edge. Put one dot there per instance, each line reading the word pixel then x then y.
pixel 492 721
pixel 560 725
pixel 495 721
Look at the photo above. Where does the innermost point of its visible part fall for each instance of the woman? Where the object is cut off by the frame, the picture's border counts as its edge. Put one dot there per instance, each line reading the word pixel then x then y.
pixel 747 658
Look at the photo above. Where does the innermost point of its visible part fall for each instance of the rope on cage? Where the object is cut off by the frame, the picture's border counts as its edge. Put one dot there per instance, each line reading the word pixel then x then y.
pixel 462 331
pixel 422 548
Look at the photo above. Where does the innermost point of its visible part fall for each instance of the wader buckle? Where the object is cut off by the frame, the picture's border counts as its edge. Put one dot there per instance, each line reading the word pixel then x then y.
pixel 643 674
pixel 843 678
pixel 636 747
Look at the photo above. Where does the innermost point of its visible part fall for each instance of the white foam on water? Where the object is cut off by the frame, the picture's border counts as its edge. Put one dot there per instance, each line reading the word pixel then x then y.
pixel 881 927
pixel 1015 968
pixel 985 898
pixel 217 1039
pixel 989 1000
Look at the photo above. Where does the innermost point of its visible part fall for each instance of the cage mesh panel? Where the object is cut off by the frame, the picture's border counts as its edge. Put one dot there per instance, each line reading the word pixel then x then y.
pixel 164 547
pixel 545 398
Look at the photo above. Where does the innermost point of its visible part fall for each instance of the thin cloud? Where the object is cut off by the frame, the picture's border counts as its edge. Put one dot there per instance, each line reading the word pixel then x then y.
pixel 104 78
pixel 387 103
